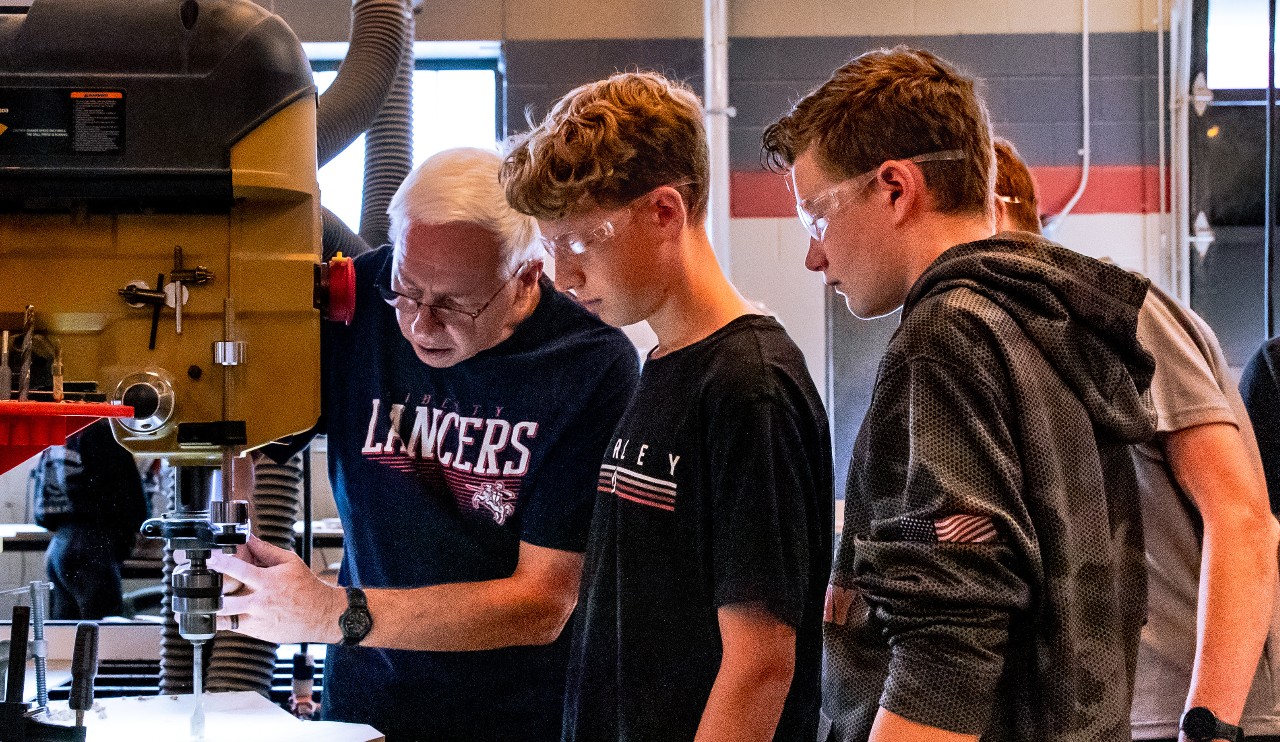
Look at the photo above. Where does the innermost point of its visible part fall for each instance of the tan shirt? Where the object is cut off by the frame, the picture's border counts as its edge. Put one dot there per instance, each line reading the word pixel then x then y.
pixel 1192 386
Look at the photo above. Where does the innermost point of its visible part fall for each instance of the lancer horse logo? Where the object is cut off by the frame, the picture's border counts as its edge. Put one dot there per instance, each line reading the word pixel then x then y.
pixel 498 500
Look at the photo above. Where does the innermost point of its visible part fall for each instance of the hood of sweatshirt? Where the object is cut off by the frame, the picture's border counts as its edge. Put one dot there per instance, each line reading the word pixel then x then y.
pixel 1081 313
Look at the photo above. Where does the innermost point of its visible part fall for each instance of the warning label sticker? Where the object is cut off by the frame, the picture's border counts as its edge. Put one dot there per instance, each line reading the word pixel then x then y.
pixel 97 121
pixel 61 121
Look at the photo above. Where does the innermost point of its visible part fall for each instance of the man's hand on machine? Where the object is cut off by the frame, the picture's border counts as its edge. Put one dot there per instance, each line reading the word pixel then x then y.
pixel 270 594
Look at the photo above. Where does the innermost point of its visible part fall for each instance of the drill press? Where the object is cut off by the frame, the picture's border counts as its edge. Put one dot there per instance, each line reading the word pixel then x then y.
pixel 171 259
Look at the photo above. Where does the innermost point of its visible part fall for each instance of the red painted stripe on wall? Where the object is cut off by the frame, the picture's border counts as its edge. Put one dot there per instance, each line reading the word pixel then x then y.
pixel 1112 189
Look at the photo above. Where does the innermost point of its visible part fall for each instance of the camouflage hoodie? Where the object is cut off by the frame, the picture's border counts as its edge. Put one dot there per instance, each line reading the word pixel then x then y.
pixel 990 579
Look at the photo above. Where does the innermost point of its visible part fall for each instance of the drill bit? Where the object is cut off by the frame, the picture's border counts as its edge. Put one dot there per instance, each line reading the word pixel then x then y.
pixel 28 335
pixel 197 716
pixel 57 371
pixel 6 373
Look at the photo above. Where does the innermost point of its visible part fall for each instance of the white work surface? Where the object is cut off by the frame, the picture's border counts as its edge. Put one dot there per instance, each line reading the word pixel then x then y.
pixel 229 717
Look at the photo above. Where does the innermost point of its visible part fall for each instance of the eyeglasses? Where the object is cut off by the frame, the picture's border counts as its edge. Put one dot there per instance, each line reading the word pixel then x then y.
pixel 815 212
pixel 442 313
pixel 576 243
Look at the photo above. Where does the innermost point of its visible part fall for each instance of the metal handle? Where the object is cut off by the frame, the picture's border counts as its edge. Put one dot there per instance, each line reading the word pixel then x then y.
pixel 18 654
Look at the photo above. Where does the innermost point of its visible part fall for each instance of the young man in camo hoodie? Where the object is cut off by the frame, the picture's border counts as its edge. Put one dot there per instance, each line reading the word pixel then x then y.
pixel 990 581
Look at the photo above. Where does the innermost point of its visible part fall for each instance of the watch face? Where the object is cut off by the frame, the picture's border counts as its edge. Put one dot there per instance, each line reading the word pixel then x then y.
pixel 1199 723
pixel 356 624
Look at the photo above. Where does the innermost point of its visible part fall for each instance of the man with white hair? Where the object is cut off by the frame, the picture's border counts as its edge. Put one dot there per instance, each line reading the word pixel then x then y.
pixel 467 407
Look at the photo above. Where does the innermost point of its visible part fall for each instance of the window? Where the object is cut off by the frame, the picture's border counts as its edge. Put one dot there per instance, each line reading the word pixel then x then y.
pixel 456 103
pixel 1226 178
pixel 1237 45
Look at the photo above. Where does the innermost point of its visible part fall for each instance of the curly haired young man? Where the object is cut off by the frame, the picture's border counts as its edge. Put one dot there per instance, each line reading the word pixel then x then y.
pixel 701 603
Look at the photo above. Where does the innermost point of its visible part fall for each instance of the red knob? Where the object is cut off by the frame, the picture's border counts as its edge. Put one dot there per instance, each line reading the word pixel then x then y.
pixel 342 289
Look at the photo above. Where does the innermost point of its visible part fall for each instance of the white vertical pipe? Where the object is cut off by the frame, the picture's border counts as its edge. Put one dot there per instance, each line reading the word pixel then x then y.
pixel 1165 263
pixel 716 71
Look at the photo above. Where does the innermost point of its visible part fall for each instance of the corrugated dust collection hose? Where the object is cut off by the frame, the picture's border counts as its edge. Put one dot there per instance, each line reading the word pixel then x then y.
pixel 239 662
pixel 389 147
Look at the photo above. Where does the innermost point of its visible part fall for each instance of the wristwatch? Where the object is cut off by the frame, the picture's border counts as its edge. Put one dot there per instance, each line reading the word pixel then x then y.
pixel 356 622
pixel 1200 725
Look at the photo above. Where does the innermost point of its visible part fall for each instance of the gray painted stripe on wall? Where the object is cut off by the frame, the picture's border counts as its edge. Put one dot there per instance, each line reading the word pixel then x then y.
pixel 1031 81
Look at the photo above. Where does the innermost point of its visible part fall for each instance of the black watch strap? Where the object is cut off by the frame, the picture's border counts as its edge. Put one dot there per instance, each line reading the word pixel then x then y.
pixel 1201 725
pixel 356 622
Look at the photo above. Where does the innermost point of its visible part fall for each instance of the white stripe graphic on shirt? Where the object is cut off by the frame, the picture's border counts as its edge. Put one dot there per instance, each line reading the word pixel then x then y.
pixel 637 487
pixel 638 477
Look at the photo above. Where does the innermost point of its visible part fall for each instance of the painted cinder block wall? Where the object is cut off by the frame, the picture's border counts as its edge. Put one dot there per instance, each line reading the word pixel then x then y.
pixel 1027 55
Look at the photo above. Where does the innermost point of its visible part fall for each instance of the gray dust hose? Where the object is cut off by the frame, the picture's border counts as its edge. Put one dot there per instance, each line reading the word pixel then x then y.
pixel 239 662
pixel 176 659
pixel 379 29
pixel 389 146
pixel 338 237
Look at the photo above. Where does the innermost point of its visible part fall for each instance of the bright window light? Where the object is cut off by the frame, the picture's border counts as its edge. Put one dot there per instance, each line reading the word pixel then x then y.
pixel 1237 53
pixel 451 108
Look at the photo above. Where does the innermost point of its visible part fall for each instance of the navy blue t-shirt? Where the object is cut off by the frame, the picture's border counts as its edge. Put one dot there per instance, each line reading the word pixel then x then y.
pixel 715 490
pixel 439 474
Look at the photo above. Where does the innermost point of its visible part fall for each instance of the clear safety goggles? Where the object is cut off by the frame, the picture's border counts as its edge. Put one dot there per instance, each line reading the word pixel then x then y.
pixel 815 212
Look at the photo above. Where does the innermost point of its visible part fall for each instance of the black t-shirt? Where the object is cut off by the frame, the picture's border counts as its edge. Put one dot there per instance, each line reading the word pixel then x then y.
pixel 715 489
pixel 439 474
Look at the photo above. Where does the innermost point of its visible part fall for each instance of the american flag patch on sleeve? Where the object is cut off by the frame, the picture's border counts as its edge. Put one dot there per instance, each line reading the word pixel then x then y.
pixel 953 529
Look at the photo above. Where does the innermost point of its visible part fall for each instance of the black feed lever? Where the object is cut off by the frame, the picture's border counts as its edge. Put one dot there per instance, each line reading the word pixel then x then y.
pixel 84 670
pixel 18 654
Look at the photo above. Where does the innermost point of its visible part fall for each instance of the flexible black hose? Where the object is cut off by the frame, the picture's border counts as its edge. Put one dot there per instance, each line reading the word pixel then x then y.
pixel 239 662
pixel 176 658
pixel 338 237
pixel 379 29
pixel 389 145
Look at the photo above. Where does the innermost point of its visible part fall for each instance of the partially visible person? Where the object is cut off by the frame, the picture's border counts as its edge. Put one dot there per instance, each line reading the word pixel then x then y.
pixel 1209 536
pixel 989 582
pixel 1260 386
pixel 467 407
pixel 711 540
pixel 1017 198
pixel 89 494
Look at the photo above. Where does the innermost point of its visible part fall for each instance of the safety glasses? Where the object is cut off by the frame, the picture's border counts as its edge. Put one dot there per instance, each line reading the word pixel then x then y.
pixel 815 212
pixel 575 243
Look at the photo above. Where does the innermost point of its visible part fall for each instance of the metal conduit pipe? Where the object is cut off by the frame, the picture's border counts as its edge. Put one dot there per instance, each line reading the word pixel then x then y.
pixel 1165 268
pixel 1086 148
pixel 715 52
pixel 1180 15
pixel 1268 186
pixel 239 662
pixel 378 32
pixel 389 145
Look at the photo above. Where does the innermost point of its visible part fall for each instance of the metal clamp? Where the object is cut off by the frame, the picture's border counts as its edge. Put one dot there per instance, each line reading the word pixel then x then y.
pixel 229 352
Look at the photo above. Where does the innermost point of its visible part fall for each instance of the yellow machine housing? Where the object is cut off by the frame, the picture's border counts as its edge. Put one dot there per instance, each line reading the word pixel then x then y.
pixel 70 248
